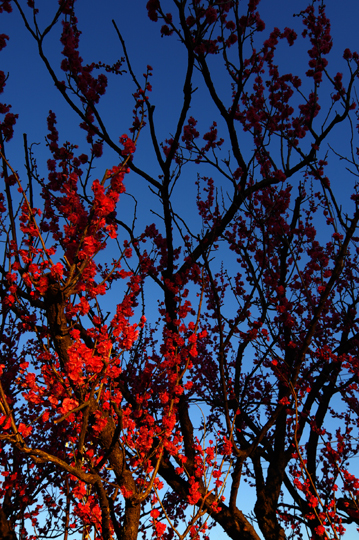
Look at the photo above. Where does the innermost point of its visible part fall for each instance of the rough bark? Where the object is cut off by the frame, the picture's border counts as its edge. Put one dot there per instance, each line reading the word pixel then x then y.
pixel 6 531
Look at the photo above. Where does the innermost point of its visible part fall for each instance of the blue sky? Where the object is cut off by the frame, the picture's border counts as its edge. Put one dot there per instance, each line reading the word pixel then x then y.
pixel 32 93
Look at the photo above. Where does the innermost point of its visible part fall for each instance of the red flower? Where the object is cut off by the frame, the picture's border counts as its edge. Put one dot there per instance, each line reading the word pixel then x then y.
pixel 129 146
pixel 160 529
pixel 3 38
pixel 155 513
pixel 57 271
pixel 152 7
pixel 67 405
pixel 25 431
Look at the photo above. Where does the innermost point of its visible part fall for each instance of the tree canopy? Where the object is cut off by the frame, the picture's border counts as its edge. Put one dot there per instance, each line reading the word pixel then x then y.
pixel 179 326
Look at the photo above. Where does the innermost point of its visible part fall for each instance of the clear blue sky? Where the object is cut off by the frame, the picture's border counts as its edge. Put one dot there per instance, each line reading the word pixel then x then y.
pixel 32 93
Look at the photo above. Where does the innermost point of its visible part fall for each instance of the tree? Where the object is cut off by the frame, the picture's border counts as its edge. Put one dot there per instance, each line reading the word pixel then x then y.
pixel 119 419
